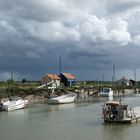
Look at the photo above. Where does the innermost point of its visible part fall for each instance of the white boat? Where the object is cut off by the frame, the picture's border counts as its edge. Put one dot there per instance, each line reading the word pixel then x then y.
pixel 106 92
pixel 115 112
pixel 64 99
pixel 14 103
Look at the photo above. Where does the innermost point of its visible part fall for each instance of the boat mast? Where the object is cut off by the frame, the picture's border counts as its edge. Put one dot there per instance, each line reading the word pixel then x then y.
pixel 113 77
pixel 12 79
pixel 60 69
pixel 10 85
pixel 114 72
pixel 135 80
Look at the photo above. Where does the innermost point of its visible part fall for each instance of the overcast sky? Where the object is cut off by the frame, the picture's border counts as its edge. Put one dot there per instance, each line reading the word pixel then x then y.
pixel 89 35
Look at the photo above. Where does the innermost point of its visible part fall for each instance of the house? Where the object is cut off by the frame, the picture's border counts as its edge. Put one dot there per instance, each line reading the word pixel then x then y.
pixel 68 79
pixel 132 82
pixel 51 80
pixel 124 81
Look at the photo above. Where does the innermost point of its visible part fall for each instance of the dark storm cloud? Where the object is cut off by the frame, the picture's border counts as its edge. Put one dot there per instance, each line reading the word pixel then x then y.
pixel 33 34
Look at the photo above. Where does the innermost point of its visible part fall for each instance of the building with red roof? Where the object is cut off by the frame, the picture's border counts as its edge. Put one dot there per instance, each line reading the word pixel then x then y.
pixel 53 79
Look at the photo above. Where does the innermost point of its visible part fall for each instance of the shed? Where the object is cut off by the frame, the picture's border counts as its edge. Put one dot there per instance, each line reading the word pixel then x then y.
pixel 51 80
pixel 124 81
pixel 132 82
pixel 68 79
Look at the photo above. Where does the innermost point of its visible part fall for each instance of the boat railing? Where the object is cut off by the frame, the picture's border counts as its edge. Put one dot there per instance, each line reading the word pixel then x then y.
pixel 130 112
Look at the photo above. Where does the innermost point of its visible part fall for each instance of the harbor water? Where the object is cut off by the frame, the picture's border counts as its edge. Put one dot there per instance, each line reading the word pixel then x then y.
pixel 77 121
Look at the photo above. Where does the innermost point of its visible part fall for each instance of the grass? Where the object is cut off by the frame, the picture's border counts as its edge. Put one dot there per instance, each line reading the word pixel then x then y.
pixel 17 88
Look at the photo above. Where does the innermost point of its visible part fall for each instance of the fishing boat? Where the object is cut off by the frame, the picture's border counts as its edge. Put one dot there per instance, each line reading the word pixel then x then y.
pixel 14 103
pixel 64 99
pixel 115 112
pixel 106 92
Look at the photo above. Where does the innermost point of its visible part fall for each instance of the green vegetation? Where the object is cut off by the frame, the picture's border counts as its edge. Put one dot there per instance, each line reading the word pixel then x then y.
pixel 24 87
pixel 11 88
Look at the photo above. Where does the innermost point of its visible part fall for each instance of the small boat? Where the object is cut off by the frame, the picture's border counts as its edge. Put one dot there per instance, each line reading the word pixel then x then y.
pixel 106 92
pixel 115 112
pixel 64 99
pixel 14 103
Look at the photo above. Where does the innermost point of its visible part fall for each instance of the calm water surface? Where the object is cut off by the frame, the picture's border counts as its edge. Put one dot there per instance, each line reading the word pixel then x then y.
pixel 77 121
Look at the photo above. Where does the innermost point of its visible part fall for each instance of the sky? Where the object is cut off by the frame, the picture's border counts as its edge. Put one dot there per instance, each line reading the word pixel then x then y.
pixel 89 35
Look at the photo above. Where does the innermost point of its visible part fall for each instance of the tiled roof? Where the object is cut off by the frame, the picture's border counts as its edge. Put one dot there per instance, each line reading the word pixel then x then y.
pixel 69 76
pixel 53 76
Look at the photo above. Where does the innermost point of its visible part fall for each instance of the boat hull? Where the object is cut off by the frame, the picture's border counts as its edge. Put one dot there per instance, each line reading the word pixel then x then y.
pixel 64 99
pixel 106 94
pixel 14 105
pixel 127 120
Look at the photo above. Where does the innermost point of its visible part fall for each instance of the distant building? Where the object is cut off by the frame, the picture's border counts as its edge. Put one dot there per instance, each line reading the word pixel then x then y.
pixel 132 82
pixel 124 81
pixel 68 79
pixel 52 80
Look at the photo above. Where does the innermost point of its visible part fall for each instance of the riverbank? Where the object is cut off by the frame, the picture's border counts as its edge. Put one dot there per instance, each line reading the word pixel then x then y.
pixel 39 97
pixel 31 99
pixel 35 99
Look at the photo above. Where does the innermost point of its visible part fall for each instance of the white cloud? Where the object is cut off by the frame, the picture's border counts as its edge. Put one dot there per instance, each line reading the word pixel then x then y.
pixel 122 38
pixel 136 40
pixel 101 30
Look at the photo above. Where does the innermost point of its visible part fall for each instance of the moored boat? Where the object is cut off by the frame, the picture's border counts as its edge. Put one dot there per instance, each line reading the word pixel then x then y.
pixel 106 92
pixel 115 112
pixel 64 99
pixel 14 103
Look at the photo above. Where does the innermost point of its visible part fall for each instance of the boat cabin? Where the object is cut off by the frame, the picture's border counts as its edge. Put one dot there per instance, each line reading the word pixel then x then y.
pixel 106 92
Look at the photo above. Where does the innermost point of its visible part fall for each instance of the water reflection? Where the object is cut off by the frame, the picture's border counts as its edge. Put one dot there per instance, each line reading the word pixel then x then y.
pixel 57 107
pixel 115 131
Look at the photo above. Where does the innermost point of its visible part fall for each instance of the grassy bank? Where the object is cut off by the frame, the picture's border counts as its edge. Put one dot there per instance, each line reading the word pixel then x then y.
pixel 13 88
